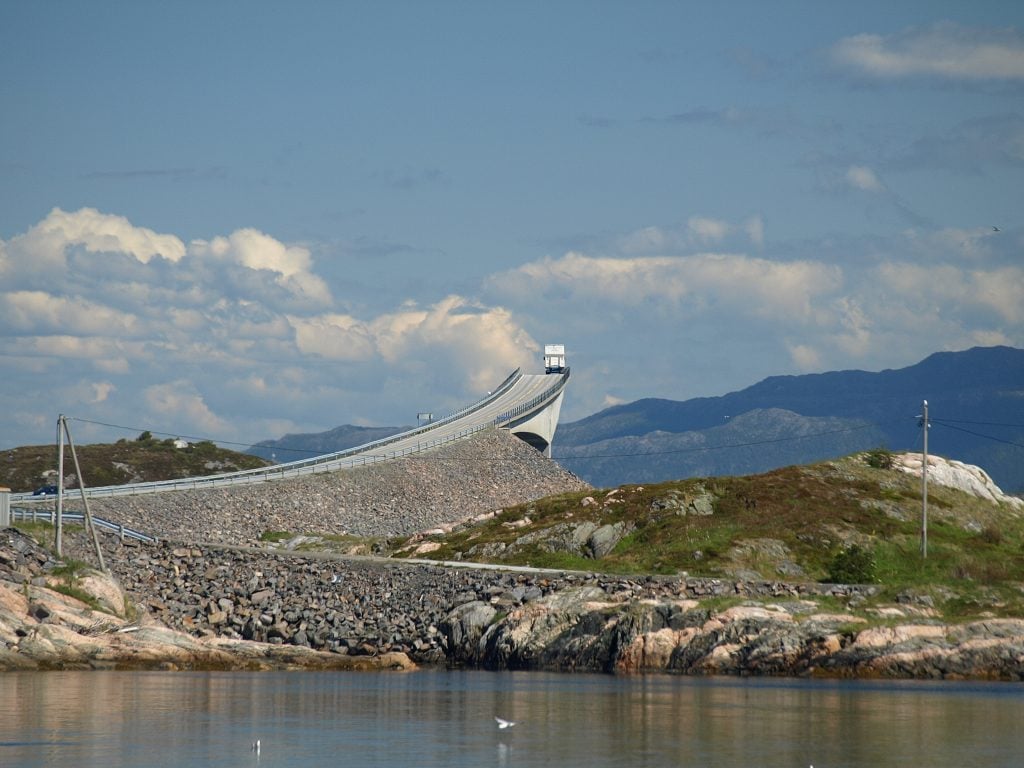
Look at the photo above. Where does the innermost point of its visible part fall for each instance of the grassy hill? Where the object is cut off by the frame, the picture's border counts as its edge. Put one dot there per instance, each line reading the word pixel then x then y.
pixel 126 461
pixel 837 521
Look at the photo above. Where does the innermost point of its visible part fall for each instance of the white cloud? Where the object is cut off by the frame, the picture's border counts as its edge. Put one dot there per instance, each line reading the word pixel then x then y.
pixel 863 178
pixel 948 290
pixel 105 311
pixel 255 250
pixel 101 390
pixel 40 312
pixel 805 357
pixel 178 403
pixel 334 336
pixel 753 286
pixel 754 227
pixel 101 233
pixel 706 230
pixel 944 50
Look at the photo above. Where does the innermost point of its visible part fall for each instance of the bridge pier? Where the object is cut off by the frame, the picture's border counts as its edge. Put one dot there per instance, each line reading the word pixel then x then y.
pixel 538 427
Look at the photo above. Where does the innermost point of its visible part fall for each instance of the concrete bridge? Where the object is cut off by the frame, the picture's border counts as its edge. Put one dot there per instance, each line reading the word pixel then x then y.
pixel 527 405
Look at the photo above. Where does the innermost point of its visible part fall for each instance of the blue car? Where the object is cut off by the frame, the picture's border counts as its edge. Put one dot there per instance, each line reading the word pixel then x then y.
pixel 46 490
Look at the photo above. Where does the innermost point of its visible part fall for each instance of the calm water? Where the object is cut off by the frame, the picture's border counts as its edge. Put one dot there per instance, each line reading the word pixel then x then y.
pixel 439 718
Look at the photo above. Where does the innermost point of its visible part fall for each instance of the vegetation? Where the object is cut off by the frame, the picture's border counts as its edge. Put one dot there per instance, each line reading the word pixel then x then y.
pixel 126 461
pixel 854 520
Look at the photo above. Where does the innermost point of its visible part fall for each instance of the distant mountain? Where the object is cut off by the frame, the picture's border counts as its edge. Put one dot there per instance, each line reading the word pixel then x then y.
pixel 976 407
pixel 302 446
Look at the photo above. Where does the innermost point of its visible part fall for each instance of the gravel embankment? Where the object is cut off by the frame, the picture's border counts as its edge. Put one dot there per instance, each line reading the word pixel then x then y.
pixel 488 471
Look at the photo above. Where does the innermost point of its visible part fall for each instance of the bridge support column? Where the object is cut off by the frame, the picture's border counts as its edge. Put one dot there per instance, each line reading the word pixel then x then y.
pixel 538 429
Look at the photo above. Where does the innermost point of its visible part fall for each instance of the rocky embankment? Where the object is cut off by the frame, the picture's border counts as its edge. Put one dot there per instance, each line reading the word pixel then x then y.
pixel 53 619
pixel 487 471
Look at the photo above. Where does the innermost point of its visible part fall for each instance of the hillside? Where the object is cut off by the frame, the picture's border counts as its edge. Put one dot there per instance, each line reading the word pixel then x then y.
pixel 851 520
pixel 976 400
pixel 126 461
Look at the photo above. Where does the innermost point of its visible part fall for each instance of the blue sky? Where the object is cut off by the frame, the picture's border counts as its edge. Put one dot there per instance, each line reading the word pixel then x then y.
pixel 237 220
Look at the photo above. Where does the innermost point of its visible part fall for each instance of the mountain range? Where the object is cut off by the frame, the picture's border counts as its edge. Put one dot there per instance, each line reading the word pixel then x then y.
pixel 976 412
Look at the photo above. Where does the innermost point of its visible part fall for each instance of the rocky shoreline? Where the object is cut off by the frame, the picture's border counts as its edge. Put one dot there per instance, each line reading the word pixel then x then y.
pixel 211 607
pixel 228 604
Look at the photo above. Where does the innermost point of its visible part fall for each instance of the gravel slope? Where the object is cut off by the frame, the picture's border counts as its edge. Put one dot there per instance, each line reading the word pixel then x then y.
pixel 487 471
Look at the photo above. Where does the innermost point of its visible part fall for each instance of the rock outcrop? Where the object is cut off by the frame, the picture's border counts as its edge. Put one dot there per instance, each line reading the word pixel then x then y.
pixel 586 629
pixel 215 607
pixel 955 474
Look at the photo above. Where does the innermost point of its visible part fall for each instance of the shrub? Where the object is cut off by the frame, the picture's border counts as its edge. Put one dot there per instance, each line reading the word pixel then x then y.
pixel 854 565
pixel 879 458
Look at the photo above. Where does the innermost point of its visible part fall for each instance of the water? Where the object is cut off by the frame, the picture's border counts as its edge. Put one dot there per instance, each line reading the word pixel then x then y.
pixel 441 718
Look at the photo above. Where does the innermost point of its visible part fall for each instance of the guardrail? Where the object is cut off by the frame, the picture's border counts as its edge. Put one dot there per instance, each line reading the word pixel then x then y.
pixel 49 516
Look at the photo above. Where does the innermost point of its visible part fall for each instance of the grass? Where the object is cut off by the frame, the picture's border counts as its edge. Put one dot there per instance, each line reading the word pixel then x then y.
pixel 813 514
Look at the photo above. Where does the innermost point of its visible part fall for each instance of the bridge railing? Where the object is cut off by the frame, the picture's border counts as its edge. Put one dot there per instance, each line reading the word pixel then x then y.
pixel 36 515
pixel 535 402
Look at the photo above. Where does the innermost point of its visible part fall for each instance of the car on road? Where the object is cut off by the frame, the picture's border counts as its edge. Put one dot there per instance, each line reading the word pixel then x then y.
pixel 46 490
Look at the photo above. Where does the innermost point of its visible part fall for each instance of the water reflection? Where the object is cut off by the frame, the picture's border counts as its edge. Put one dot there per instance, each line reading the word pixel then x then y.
pixel 437 718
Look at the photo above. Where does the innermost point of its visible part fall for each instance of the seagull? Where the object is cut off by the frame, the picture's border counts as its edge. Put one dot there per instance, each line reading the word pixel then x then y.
pixel 996 229
pixel 503 723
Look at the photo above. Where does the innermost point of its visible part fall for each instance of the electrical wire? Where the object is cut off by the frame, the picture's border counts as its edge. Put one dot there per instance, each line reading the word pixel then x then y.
pixel 977 434
pixel 188 437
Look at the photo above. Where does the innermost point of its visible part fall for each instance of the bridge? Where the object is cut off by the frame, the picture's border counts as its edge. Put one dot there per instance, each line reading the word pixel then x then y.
pixel 527 405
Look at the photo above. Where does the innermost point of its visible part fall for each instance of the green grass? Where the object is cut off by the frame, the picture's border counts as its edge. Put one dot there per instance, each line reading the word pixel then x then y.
pixel 975 563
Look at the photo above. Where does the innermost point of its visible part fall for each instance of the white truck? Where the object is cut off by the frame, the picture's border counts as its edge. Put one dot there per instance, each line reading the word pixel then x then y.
pixel 554 358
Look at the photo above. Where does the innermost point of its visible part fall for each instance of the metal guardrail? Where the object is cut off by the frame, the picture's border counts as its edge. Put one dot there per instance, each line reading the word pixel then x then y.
pixel 49 516
pixel 357 456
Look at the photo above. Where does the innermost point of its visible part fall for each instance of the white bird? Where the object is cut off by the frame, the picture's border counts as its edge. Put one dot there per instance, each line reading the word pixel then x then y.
pixel 503 723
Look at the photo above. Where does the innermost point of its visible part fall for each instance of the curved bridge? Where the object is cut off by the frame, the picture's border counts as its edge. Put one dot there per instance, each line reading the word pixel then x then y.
pixel 525 404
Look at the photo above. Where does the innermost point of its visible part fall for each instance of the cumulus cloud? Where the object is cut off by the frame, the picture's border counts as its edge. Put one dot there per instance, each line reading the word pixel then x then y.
pixel 103 232
pixel 178 402
pixel 250 248
pixel 157 328
pixel 945 50
pixel 483 341
pixel 754 286
pixel 707 230
pixel 863 178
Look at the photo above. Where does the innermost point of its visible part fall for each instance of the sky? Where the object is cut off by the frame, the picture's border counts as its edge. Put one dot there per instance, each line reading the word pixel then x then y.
pixel 237 220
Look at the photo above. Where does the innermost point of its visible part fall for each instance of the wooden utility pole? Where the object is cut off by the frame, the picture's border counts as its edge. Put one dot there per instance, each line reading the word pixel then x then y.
pixel 924 481
pixel 85 499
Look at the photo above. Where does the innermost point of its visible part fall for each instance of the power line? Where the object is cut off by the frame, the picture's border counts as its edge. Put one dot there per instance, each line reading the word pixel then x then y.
pixel 187 437
pixel 977 434
pixel 982 423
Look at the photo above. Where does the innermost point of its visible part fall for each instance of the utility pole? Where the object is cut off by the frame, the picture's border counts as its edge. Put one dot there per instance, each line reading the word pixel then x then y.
pixel 924 480
pixel 89 525
pixel 58 523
